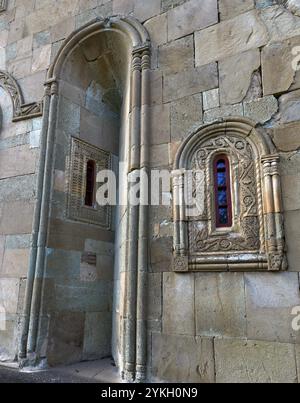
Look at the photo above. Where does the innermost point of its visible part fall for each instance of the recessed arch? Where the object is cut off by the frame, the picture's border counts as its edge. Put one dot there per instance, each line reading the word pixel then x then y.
pixel 133 361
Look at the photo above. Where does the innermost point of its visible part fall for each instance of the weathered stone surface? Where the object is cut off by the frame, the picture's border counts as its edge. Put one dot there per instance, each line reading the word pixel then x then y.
pixel 9 293
pixel 154 296
pixel 229 38
pixel 235 76
pixel 220 305
pixel 182 359
pixel 211 99
pixel 186 115
pixel 270 299
pixel 15 263
pixel 190 82
pixel 176 56
pixel 289 107
pixel 66 336
pixel 179 303
pixel 158 154
pixel 254 362
pixel 17 188
pixel 231 8
pixel 97 335
pixel 292 223
pixel 280 23
pixel 222 112
pixel 261 110
pixel 16 217
pixel 146 10
pixel 291 192
pixel 287 137
pixel 160 124
pixel 17 161
pixel 190 17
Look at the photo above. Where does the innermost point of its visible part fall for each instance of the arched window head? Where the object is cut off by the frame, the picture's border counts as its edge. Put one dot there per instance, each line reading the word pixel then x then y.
pixel 222 192
pixel 90 183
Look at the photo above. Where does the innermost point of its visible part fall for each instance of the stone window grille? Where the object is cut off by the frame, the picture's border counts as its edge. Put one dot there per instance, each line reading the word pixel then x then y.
pixel 251 237
pixel 81 205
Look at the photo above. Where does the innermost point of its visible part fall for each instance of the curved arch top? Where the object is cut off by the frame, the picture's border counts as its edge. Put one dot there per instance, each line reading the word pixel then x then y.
pixel 21 111
pixel 128 26
pixel 240 126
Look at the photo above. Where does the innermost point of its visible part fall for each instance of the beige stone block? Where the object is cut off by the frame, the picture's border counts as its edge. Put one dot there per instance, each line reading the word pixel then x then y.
pixel 154 306
pixel 160 124
pixel 15 263
pixel 178 304
pixel 287 137
pixel 291 192
pixel 222 112
pixel 270 299
pixel 292 234
pixel 17 161
pixel 62 30
pixel 229 38
pixel 240 361
pixel 145 10
pixel 123 6
pixel 289 107
pixel 33 86
pixel 66 337
pixel 59 181
pixel 220 305
pixel 41 58
pixel 186 116
pixel 16 217
pixel 235 76
pixel 97 335
pixel 176 56
pixel 190 82
pixel 231 8
pixel 9 294
pixel 157 28
pixel 158 156
pixel 190 17
pixel 261 110
pixel 182 359
pixel 281 24
pixel 2 244
pixel 211 99
pixel 156 83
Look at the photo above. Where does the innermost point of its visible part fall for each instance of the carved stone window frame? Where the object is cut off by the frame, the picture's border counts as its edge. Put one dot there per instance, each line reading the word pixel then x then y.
pixel 82 152
pixel 3 5
pixel 255 242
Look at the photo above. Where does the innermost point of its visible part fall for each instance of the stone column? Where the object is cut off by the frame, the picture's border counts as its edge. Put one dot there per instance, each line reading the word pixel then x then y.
pixel 36 226
pixel 133 220
pixel 141 329
pixel 43 226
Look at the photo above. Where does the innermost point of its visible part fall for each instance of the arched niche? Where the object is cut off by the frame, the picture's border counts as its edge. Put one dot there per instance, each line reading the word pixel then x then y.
pixel 255 239
pixel 98 84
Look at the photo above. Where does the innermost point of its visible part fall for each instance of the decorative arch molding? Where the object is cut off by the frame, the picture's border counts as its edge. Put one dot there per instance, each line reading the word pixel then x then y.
pixel 134 359
pixel 3 5
pixel 256 239
pixel 21 111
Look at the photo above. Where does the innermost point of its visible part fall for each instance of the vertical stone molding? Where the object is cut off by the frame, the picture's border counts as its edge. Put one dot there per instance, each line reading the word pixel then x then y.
pixel 255 240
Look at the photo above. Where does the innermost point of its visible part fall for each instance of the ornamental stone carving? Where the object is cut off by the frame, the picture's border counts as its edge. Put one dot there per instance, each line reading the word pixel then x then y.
pixel 21 111
pixel 3 5
pixel 81 153
pixel 255 241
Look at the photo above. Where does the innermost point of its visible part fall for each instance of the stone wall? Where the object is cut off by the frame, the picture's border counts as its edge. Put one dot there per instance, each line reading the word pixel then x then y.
pixel 210 59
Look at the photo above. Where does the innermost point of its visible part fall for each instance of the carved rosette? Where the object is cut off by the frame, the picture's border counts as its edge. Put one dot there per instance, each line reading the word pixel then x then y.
pixel 21 111
pixel 256 239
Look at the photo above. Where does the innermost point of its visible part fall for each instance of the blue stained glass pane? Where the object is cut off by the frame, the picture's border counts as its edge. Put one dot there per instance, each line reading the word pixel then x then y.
pixel 221 164
pixel 223 215
pixel 221 178
pixel 222 197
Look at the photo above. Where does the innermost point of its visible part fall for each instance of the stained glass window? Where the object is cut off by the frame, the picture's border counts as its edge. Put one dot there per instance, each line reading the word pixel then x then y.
pixel 222 192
